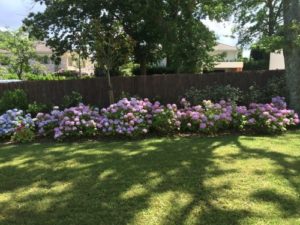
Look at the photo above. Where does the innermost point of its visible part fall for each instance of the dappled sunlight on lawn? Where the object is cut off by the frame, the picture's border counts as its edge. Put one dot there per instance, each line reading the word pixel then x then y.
pixel 161 181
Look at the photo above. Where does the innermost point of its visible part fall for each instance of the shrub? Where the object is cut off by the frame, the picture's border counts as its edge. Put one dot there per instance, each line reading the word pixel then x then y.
pixel 79 121
pixel 133 117
pixel 165 119
pixel 34 108
pixel 254 94
pixel 13 99
pixel 276 87
pixel 23 135
pixel 46 123
pixel 9 76
pixel 72 100
pixel 48 76
pixel 205 118
pixel 38 68
pixel 270 118
pixel 67 73
pixel 13 119
pixel 127 117
pixel 154 70
pixel 214 93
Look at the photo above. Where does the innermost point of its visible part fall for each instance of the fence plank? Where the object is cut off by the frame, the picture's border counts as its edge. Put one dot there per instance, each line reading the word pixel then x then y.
pixel 166 88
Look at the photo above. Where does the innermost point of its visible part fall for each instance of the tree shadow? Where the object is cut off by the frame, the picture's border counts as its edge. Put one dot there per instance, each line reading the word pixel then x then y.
pixel 288 169
pixel 287 205
pixel 156 181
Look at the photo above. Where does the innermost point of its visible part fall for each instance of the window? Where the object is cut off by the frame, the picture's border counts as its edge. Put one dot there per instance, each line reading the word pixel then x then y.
pixel 45 59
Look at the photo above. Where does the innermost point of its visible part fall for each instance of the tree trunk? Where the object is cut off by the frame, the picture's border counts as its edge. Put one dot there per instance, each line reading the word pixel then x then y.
pixel 292 51
pixel 79 65
pixel 20 72
pixel 272 18
pixel 110 88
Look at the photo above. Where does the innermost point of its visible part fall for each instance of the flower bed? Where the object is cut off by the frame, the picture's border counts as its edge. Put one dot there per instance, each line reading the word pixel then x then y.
pixel 134 117
pixel 13 120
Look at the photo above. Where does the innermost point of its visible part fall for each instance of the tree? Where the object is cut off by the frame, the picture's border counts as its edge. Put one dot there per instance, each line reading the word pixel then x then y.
pixel 188 47
pixel 64 28
pixel 20 51
pixel 276 24
pixel 258 20
pixel 112 48
pixel 145 21
pixel 291 14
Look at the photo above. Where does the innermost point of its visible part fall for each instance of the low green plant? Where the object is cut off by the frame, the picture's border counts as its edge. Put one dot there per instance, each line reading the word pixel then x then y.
pixel 8 76
pixel 72 100
pixel 23 135
pixel 214 93
pixel 13 99
pixel 254 94
pixel 276 86
pixel 165 122
pixel 35 108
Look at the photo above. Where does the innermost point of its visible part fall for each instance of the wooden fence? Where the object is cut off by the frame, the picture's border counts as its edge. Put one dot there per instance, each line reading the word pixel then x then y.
pixel 168 88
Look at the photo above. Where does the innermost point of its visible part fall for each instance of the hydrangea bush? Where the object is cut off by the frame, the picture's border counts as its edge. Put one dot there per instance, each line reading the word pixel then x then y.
pixel 135 117
pixel 165 119
pixel 131 117
pixel 271 118
pixel 206 118
pixel 13 119
pixel 80 121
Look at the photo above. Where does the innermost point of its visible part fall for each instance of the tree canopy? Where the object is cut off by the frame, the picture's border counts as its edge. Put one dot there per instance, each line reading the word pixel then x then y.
pixel 158 29
pixel 19 51
pixel 258 22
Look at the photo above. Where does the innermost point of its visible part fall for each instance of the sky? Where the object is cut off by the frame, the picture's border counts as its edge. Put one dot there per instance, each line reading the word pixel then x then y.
pixel 12 12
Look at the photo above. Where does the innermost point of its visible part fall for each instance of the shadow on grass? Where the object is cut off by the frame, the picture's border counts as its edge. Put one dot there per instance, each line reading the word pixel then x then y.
pixel 156 181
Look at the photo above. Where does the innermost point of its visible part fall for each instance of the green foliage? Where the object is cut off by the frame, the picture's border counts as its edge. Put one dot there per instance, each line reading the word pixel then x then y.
pixel 13 99
pixel 253 65
pixel 154 70
pixel 189 45
pixel 258 20
pixel 35 108
pixel 214 93
pixel 276 86
pixel 72 100
pixel 255 94
pixel 128 69
pixel 38 68
pixel 20 49
pixel 113 46
pixel 30 76
pixel 152 29
pixel 165 122
pixel 23 135
pixel 8 76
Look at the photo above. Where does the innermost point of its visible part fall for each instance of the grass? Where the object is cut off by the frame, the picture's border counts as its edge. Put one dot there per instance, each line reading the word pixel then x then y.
pixel 160 181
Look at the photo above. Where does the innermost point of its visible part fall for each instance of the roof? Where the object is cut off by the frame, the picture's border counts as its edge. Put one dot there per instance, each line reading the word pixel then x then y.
pixel 229 65
pixel 41 47
pixel 224 47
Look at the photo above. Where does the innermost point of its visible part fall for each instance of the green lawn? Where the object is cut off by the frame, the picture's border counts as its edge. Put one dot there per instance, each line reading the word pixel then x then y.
pixel 160 181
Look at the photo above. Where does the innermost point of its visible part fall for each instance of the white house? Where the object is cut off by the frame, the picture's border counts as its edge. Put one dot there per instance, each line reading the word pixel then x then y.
pixel 230 61
pixel 68 61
